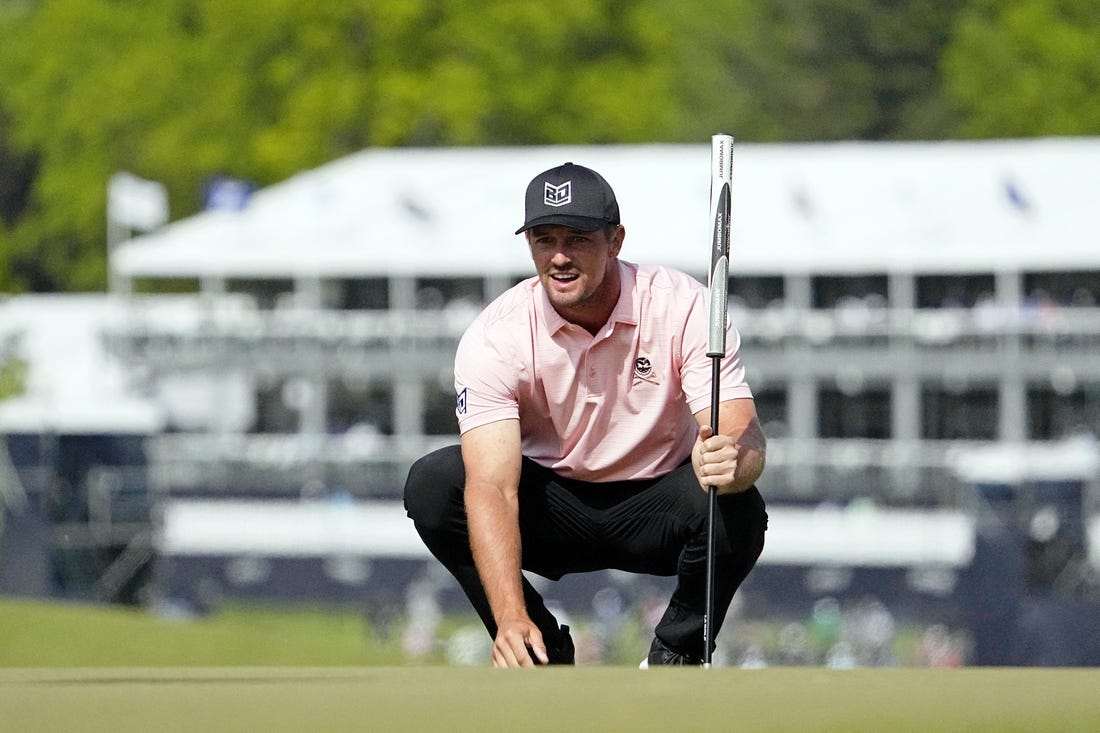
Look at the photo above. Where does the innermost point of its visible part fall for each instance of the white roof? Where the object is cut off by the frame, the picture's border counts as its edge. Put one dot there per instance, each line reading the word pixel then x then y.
pixel 816 207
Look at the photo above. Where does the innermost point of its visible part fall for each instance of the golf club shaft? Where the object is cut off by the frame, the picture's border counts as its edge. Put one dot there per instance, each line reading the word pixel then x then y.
pixel 721 182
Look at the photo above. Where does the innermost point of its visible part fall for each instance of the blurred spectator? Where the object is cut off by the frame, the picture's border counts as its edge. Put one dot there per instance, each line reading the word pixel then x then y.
pixel 381 613
pixel 840 656
pixel 989 316
pixel 423 616
pixel 940 648
pixel 794 646
pixel 871 633
pixel 753 657
pixel 1040 312
pixel 468 646
pixel 1083 298
pixel 825 622
pixel 607 605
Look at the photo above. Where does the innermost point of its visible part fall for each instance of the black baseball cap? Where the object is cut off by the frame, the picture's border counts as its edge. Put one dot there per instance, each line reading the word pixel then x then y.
pixel 570 195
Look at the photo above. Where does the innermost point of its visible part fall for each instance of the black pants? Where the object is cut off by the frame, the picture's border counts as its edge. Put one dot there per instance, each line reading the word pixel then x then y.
pixel 656 527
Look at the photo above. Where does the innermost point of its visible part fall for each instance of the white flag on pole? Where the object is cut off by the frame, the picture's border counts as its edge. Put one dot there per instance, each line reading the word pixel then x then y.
pixel 136 203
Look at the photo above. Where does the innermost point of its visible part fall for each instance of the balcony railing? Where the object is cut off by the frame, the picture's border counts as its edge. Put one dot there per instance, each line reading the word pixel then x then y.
pixel 918 472
pixel 215 333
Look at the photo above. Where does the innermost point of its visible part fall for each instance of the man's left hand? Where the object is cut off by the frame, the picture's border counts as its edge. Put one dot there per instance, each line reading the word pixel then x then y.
pixel 714 458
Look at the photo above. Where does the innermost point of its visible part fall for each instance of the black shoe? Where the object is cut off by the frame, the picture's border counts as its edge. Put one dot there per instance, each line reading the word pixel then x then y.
pixel 561 650
pixel 660 656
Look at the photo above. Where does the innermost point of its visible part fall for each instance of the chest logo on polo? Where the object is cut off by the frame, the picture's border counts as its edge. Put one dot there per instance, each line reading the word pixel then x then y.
pixel 558 195
pixel 643 371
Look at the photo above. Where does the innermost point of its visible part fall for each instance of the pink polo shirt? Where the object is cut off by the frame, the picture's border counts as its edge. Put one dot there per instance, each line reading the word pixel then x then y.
pixel 615 406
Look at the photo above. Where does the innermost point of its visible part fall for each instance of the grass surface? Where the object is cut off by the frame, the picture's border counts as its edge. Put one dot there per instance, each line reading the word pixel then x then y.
pixel 92 670
pixel 557 699
pixel 37 634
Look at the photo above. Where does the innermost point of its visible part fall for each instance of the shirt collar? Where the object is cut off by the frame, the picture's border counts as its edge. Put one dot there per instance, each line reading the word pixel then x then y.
pixel 626 310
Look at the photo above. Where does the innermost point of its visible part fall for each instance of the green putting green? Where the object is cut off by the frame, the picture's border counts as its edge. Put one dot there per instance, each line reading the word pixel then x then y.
pixel 551 699
pixel 98 670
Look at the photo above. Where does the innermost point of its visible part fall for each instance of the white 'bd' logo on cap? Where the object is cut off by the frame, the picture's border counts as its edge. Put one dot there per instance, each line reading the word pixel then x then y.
pixel 558 195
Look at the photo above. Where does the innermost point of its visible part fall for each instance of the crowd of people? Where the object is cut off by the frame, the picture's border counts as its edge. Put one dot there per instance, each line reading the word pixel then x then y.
pixel 835 633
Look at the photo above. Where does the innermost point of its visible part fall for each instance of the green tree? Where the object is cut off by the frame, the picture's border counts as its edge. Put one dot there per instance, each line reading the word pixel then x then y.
pixel 1021 68
pixel 827 69
pixel 176 90
pixel 13 376
pixel 179 90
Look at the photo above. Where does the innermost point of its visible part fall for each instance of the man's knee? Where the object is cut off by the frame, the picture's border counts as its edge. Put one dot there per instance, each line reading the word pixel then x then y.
pixel 431 486
pixel 746 520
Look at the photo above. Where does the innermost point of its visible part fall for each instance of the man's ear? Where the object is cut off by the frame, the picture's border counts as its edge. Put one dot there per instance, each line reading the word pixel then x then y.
pixel 617 240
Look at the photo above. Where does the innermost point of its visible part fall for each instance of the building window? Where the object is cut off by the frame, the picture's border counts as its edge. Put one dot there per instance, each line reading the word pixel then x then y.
pixel 277 407
pixel 757 292
pixel 1076 289
pixel 771 409
pixel 437 293
pixel 267 293
pixel 953 291
pixel 949 413
pixel 1058 413
pixel 364 293
pixel 439 409
pixel 854 413
pixel 360 406
pixel 833 291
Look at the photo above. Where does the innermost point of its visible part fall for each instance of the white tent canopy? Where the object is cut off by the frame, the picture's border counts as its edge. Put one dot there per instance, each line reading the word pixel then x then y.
pixel 941 207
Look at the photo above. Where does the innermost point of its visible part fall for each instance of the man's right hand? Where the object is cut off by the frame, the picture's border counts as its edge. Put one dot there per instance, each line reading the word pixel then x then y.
pixel 516 642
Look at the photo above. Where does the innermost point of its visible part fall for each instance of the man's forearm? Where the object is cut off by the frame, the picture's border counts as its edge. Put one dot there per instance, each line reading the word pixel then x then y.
pixel 751 446
pixel 750 466
pixel 493 521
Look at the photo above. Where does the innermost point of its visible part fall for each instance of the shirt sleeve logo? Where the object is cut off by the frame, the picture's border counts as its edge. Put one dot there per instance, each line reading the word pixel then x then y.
pixel 460 405
pixel 558 195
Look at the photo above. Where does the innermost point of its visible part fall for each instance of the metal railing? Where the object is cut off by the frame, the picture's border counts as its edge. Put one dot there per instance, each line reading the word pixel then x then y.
pixel 117 507
pixel 917 472
pixel 212 333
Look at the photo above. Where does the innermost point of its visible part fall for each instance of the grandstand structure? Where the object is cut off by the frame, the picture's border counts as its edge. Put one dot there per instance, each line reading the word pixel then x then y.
pixel 920 323
pixel 905 308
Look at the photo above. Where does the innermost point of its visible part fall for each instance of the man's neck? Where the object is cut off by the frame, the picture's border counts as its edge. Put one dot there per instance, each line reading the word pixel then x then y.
pixel 593 316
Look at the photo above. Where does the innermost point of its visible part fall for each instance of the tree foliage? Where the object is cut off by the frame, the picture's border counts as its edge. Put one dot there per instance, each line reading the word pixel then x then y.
pixel 13 376
pixel 179 90
pixel 1022 68
pixel 827 69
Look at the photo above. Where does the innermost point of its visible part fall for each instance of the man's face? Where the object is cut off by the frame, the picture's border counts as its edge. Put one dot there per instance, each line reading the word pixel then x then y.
pixel 574 267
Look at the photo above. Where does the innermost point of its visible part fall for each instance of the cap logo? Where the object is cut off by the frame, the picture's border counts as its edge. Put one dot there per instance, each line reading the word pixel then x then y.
pixel 558 195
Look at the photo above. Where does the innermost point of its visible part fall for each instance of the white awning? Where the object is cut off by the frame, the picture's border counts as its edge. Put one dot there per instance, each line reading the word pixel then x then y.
pixel 850 207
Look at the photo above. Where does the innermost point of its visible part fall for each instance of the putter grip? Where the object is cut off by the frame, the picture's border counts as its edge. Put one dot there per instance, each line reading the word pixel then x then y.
pixel 721 194
pixel 716 334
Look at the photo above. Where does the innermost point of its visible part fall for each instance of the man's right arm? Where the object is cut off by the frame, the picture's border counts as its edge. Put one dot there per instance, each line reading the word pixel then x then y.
pixel 491 454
